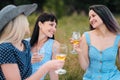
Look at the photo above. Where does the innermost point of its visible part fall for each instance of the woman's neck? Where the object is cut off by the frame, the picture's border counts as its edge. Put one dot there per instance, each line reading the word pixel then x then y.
pixel 102 31
pixel 40 42
pixel 19 45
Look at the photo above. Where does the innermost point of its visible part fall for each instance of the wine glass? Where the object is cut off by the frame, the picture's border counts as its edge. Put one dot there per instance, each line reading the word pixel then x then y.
pixel 61 53
pixel 41 52
pixel 40 56
pixel 75 39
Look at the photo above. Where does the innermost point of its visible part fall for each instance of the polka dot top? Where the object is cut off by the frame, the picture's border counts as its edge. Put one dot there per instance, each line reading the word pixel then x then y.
pixel 11 55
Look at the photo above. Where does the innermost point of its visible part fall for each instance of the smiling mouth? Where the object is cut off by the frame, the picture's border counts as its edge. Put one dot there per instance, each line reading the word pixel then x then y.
pixel 93 22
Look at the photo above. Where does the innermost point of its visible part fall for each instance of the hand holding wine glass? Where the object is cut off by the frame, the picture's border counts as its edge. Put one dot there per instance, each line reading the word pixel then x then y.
pixel 41 52
pixel 38 55
pixel 61 53
pixel 75 40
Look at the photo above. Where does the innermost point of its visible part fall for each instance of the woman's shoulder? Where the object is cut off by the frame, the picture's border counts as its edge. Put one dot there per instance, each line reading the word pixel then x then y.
pixel 56 43
pixel 5 45
pixel 88 32
pixel 6 48
pixel 26 43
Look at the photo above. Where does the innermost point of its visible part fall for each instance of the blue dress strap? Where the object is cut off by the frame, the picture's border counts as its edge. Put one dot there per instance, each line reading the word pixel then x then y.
pixel 117 40
pixel 87 37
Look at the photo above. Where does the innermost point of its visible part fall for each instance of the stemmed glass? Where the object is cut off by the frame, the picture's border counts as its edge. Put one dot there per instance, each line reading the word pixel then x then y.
pixel 75 39
pixel 61 53
pixel 40 55
pixel 41 52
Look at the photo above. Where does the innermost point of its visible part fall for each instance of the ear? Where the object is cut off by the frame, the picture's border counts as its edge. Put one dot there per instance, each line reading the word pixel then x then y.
pixel 40 24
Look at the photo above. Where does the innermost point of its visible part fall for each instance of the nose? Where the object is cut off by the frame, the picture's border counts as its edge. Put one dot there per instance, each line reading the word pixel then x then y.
pixel 90 20
pixel 54 29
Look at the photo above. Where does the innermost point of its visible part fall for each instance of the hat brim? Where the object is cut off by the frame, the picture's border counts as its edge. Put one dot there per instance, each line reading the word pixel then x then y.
pixel 8 16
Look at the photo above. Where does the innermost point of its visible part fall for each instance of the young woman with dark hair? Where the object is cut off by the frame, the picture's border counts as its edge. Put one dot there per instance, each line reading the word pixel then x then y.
pixel 99 47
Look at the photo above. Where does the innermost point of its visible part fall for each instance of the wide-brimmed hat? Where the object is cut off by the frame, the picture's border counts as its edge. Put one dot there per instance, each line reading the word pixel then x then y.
pixel 11 11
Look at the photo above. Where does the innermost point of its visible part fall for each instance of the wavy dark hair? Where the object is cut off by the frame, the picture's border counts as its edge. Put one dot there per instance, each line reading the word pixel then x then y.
pixel 42 18
pixel 107 17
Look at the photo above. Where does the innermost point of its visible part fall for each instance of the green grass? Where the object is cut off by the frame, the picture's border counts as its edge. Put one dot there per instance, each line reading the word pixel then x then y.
pixel 66 26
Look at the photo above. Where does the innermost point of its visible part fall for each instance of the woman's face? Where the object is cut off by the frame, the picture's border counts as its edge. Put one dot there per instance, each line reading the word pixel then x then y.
pixel 48 28
pixel 94 19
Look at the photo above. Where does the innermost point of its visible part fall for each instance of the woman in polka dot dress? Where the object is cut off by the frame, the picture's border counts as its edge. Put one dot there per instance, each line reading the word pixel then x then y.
pixel 15 54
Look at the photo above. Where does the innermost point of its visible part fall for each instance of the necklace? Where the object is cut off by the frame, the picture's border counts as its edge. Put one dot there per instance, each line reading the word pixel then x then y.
pixel 19 46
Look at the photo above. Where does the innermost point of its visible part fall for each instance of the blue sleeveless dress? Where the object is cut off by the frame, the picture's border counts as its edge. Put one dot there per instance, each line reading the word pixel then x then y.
pixel 102 63
pixel 48 55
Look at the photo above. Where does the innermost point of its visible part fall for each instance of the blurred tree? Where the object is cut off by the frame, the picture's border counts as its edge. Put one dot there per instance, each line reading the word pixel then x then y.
pixel 81 6
pixel 5 2
pixel 19 2
pixel 68 7
pixel 55 6
pixel 40 4
pixel 114 5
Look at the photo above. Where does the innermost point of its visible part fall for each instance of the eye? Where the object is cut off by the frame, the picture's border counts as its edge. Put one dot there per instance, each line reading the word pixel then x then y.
pixel 93 15
pixel 51 24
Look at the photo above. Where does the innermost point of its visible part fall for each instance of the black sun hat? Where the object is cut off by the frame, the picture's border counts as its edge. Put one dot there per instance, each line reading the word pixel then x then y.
pixel 9 12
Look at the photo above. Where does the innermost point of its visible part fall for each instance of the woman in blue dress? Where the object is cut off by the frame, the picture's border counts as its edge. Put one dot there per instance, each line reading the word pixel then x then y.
pixel 100 46
pixel 43 39
pixel 15 54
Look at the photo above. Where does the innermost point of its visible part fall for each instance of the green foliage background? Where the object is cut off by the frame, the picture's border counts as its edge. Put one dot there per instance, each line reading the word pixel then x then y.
pixel 65 7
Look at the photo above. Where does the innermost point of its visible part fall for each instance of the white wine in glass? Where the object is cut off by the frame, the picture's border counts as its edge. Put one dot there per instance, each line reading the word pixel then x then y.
pixel 75 40
pixel 61 55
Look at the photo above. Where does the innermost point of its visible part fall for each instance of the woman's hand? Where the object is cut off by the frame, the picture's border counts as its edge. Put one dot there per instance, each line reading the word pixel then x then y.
pixel 36 58
pixel 55 64
pixel 76 46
